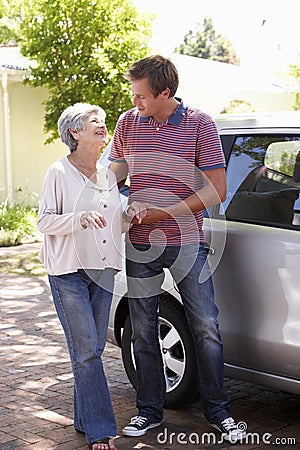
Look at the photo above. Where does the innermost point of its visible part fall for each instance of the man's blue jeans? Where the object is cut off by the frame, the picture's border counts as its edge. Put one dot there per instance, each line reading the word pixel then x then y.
pixel 190 270
pixel 83 303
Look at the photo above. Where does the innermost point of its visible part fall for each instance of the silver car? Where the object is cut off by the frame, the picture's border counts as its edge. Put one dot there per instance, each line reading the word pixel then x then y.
pixel 253 245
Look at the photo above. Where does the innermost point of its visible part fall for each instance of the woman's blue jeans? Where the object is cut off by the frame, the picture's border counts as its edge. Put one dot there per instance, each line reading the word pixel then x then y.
pixel 82 300
pixel 190 270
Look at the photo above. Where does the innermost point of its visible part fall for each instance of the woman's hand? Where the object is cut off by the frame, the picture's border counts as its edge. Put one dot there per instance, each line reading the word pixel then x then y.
pixel 92 219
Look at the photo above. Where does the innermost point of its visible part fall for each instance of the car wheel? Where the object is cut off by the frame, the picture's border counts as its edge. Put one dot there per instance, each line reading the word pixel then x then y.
pixel 177 350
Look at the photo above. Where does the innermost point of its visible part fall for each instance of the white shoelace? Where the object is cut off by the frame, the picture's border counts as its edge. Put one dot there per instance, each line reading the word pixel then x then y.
pixel 138 420
pixel 229 424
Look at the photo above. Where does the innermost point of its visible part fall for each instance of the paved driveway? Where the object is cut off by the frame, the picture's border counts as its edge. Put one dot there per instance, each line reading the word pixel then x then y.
pixel 36 389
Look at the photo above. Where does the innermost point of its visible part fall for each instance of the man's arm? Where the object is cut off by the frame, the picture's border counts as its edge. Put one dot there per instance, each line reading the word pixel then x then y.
pixel 120 169
pixel 135 209
pixel 212 193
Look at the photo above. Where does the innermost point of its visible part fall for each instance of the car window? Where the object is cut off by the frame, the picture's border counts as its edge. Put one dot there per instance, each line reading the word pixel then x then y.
pixel 263 180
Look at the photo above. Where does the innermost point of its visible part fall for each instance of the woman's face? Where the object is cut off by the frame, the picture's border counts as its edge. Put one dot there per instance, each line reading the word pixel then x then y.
pixel 94 131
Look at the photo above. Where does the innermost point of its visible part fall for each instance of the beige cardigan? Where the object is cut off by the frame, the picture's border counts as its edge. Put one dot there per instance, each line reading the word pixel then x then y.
pixel 66 195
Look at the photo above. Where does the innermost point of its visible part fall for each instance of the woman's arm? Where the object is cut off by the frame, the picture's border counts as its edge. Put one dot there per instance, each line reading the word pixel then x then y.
pixel 55 198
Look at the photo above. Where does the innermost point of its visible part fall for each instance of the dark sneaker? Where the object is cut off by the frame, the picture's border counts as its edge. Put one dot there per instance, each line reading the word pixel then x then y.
pixel 231 431
pixel 138 426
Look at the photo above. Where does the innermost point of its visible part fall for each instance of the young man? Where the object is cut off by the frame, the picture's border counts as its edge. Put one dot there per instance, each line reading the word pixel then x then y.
pixel 174 158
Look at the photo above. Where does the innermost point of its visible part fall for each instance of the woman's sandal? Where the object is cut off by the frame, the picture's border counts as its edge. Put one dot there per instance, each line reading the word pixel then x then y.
pixel 104 441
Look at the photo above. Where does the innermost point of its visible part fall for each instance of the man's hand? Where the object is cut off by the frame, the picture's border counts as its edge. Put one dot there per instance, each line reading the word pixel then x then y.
pixel 135 212
pixel 151 214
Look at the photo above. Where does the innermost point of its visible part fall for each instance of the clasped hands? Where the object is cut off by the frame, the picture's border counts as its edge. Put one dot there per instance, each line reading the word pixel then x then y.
pixel 135 213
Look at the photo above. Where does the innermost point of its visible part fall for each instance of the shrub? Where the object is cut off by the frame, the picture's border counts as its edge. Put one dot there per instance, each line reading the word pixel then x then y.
pixel 17 224
pixel 237 106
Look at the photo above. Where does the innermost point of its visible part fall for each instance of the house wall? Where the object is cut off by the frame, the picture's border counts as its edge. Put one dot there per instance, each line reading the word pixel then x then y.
pixel 30 157
pixel 211 86
pixel 2 149
pixel 213 101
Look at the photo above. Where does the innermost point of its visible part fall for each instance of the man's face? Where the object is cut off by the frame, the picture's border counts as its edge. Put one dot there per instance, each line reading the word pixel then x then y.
pixel 144 100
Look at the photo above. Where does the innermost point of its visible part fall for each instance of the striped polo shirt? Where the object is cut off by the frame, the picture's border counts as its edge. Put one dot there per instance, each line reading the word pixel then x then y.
pixel 164 164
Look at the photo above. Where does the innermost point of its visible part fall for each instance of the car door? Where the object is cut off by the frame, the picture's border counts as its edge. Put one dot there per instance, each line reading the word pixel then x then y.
pixel 254 239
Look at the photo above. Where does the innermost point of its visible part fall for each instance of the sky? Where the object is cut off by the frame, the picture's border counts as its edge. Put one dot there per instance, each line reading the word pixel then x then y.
pixel 265 32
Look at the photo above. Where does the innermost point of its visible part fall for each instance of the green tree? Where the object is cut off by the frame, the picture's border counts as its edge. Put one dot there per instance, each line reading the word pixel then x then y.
pixel 80 51
pixel 205 43
pixel 10 16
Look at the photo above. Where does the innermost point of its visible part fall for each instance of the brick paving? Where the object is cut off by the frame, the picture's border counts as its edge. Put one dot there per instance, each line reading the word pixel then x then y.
pixel 36 388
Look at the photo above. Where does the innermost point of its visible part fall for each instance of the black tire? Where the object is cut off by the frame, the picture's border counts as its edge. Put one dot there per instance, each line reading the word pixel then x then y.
pixel 182 384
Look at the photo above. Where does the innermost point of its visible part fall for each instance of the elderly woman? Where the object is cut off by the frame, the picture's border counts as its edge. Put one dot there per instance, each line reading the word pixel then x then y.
pixel 80 216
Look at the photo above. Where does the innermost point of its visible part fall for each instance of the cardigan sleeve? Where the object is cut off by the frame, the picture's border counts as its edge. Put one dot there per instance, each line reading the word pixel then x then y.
pixel 57 215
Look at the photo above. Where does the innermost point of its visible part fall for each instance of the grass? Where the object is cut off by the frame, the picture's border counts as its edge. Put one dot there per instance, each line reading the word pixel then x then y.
pixel 26 264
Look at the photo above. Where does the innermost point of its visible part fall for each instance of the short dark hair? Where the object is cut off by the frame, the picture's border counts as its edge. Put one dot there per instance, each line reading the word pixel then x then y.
pixel 160 72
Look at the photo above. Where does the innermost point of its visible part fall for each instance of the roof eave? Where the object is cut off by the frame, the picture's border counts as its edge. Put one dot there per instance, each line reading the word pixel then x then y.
pixel 14 74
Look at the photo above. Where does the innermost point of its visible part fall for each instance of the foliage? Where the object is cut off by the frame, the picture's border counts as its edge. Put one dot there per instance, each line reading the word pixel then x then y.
pixel 205 43
pixel 10 16
pixel 295 73
pixel 17 224
pixel 80 51
pixel 237 106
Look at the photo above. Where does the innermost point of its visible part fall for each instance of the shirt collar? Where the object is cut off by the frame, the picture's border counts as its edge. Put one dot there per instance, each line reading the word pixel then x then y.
pixel 175 118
